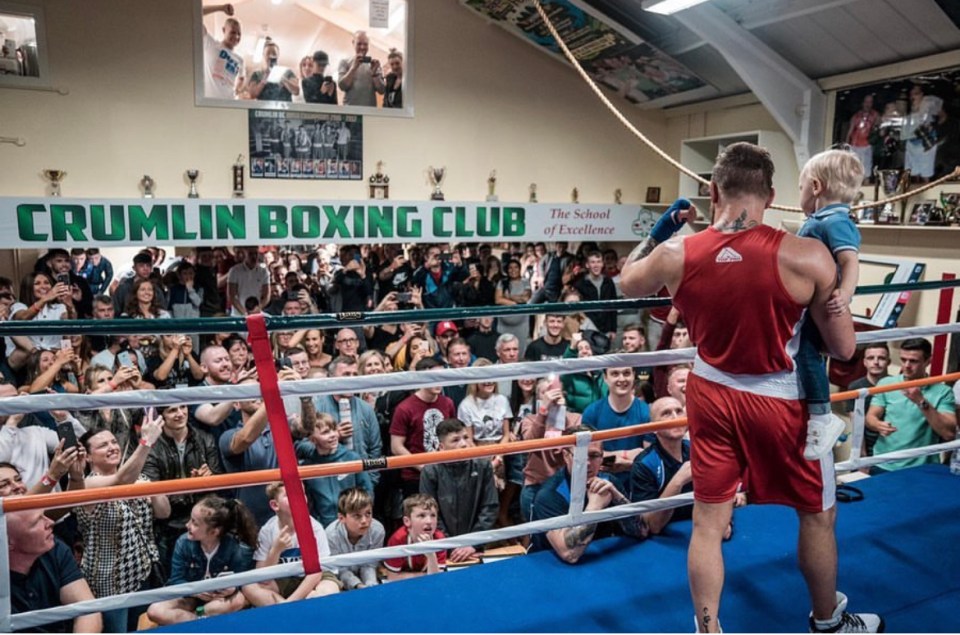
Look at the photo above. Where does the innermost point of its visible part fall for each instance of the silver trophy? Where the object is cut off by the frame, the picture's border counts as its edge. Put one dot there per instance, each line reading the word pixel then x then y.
pixel 575 195
pixel 491 186
pixel 533 193
pixel 54 176
pixel 618 196
pixel 146 186
pixel 436 178
pixel 192 175
pixel 238 178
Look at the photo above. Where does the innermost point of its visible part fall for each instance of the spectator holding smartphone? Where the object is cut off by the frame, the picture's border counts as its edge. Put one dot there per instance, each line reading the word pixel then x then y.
pixel 361 77
pixel 393 95
pixel 41 299
pixel 320 88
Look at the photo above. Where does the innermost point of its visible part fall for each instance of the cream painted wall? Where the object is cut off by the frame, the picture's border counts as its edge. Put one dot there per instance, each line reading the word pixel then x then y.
pixel 485 100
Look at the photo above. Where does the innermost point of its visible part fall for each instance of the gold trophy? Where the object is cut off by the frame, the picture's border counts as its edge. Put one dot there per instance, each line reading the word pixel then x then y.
pixel 491 186
pixel 379 183
pixel 436 178
pixel 618 196
pixel 575 195
pixel 146 186
pixel 533 193
pixel 54 176
pixel 192 174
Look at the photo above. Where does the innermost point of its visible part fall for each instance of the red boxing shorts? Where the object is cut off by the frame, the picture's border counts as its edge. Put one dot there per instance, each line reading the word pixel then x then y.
pixel 740 436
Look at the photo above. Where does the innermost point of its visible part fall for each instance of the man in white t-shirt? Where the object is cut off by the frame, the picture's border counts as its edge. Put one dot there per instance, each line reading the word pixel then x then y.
pixel 222 65
pixel 248 279
pixel 277 544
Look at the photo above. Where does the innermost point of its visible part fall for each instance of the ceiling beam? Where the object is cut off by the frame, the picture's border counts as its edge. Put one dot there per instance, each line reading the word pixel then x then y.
pixel 794 100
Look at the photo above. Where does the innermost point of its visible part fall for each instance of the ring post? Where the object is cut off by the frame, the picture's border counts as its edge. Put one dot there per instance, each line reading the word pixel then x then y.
pixel 578 478
pixel 4 574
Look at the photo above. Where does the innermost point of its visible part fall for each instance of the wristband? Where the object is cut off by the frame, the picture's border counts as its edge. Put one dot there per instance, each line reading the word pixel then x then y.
pixel 47 481
pixel 200 611
pixel 669 223
pixel 36 307
pixel 144 443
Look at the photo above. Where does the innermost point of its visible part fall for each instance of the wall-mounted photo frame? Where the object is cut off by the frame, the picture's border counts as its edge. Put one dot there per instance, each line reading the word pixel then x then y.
pixel 349 57
pixel 653 195
pixel 23 46
pixel 907 123
pixel 301 145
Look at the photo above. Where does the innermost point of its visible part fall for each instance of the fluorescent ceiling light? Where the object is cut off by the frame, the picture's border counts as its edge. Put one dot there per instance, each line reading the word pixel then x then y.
pixel 667 7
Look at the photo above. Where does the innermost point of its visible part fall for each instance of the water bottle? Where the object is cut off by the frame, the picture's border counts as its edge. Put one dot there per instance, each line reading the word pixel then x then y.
pixel 346 417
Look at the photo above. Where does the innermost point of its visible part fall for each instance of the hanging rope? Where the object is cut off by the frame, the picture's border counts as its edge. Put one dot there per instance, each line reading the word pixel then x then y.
pixel 676 164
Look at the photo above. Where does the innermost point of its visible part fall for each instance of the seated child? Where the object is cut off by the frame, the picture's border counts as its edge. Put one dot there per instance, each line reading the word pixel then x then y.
pixel 465 491
pixel 355 529
pixel 419 525
pixel 278 544
pixel 322 445
pixel 219 541
pixel 829 182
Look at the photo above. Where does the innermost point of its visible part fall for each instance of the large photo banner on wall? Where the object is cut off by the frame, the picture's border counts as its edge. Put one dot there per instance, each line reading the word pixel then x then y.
pixel 63 222
pixel 299 145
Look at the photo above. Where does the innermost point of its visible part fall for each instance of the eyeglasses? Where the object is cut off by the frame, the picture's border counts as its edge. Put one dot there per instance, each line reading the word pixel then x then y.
pixel 347 340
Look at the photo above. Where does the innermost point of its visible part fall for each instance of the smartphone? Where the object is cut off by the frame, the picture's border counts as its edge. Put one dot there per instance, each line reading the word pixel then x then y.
pixel 284 362
pixel 123 359
pixel 446 257
pixel 66 433
pixel 64 278
pixel 404 296
pixel 366 59
pixel 66 343
pixel 610 459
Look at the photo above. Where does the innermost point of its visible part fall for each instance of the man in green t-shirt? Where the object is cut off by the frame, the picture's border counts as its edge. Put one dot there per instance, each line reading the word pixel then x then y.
pixel 914 417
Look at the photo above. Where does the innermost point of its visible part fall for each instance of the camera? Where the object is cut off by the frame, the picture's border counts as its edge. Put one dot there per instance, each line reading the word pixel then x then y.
pixel 366 59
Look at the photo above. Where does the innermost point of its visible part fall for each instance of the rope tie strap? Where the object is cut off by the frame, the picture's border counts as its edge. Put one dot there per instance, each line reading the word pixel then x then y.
pixel 283 442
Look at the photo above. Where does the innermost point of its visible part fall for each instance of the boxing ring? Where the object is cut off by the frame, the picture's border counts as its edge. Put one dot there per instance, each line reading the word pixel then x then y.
pixel 613 583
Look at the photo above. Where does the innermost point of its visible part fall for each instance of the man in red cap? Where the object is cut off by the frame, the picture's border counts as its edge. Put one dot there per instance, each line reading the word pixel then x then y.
pixel 444 333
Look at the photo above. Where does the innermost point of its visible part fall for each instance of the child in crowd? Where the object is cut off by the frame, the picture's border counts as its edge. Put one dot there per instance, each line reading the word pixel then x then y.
pixel 465 491
pixel 277 544
pixel 322 445
pixel 829 182
pixel 419 525
pixel 220 538
pixel 355 529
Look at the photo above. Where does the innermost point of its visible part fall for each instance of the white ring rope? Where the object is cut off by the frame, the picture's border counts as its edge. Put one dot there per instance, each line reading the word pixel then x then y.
pixel 393 381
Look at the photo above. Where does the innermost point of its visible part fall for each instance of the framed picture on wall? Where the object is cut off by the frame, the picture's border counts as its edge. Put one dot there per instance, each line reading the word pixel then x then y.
pixel 23 46
pixel 653 195
pixel 336 56
pixel 300 145
pixel 908 123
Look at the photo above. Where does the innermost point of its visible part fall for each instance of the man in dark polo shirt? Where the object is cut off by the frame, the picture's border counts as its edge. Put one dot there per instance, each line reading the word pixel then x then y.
pixel 553 499
pixel 44 574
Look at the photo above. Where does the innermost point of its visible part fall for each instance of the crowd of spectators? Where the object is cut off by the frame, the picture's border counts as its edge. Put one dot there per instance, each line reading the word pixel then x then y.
pixel 126 546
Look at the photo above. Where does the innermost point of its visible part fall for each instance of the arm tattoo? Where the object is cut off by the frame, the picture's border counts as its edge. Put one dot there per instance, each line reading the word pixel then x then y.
pixel 738 224
pixel 642 250
pixel 579 536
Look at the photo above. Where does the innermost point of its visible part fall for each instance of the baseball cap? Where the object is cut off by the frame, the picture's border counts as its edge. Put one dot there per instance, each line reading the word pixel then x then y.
pixel 445 326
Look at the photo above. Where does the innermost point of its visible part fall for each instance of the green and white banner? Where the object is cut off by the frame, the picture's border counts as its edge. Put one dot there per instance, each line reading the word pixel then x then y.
pixel 73 222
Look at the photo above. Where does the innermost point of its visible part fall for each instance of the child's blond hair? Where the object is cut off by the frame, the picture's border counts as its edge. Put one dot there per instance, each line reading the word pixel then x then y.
pixel 324 421
pixel 274 489
pixel 839 171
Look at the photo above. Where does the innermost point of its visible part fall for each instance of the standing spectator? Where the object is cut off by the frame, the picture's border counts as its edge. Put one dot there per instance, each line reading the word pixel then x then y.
pixel 618 410
pixel 216 418
pixel 58 264
pixel 44 573
pixel 583 388
pixel 248 279
pixel 272 82
pixel 483 342
pixel 361 77
pixel 41 300
pixel 413 429
pixel 319 88
pixel 552 345
pixel 510 291
pixel 464 490
pixel 393 95
pixel 914 417
pixel 395 273
pixel 208 281
pixel 476 289
pixel 186 297
pixel 508 352
pixel 597 285
pixel 99 271
pixel 222 65
pixel 359 431
pixel 876 360
pixel 180 452
pixel 323 446
pixel 437 278
pixel 119 549
pixel 142 270
pixel 552 268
